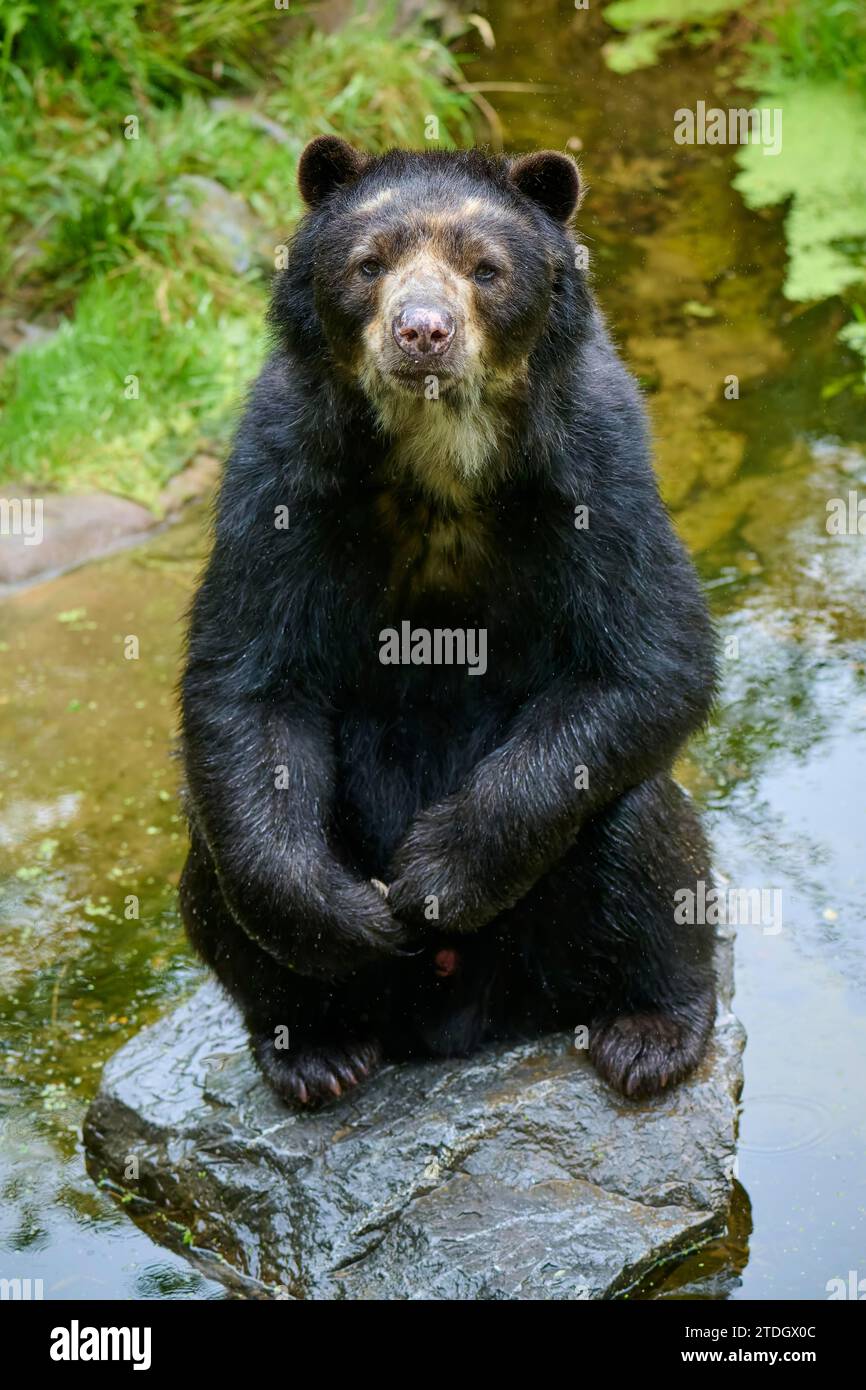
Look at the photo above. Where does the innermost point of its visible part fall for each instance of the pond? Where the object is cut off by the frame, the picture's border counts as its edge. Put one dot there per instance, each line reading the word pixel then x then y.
pixel 90 829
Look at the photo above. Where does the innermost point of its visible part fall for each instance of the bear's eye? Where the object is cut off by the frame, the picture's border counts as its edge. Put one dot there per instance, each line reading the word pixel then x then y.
pixel 370 269
pixel 484 272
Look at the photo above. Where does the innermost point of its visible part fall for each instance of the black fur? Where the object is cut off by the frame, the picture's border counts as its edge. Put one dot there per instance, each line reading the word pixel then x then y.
pixel 558 902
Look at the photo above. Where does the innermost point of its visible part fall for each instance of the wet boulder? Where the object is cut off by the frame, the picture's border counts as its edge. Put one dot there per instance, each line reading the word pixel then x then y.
pixel 515 1174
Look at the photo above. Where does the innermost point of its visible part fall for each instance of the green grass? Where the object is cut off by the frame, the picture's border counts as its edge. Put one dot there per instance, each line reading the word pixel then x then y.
pixel 813 43
pixel 152 50
pixel 70 418
pixel 382 100
pixel 99 233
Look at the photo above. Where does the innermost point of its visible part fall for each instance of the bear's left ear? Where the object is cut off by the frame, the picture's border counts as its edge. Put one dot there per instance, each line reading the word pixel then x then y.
pixel 549 179
pixel 326 163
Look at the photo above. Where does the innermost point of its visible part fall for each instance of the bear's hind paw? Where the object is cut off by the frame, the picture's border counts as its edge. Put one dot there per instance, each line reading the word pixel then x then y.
pixel 318 1073
pixel 643 1053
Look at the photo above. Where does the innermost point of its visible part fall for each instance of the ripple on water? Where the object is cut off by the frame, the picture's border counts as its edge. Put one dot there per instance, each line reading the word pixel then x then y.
pixel 775 1123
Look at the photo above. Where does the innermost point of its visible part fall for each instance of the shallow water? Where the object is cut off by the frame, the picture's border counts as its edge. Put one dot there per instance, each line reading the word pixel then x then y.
pixel 89 821
pixel 89 818
pixel 691 283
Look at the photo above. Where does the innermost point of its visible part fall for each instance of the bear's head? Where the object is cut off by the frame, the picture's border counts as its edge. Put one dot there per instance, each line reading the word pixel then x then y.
pixel 433 278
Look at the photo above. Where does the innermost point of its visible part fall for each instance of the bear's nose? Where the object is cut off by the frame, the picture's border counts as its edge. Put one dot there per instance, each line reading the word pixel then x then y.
pixel 423 331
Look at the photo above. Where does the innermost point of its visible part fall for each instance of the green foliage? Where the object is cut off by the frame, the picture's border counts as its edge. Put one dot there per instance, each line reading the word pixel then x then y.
pixel 813 67
pixel 150 49
pixel 809 62
pixel 811 42
pixel 380 102
pixel 821 174
pixel 650 25
pixel 102 202
pixel 103 231
pixel 104 213
pixel 639 50
pixel 629 14
pixel 66 419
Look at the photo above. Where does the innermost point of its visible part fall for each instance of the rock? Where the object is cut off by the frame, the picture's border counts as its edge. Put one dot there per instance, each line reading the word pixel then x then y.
pixel 198 479
pixel 235 235
pixel 244 108
pixel 16 334
pixel 44 535
pixel 515 1174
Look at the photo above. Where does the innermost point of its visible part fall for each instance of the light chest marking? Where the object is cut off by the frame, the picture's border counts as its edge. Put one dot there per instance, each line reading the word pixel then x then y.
pixel 431 551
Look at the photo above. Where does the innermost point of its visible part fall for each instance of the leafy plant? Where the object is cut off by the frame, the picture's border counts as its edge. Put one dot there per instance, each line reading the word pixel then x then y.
pixel 819 172
pixel 651 25
pixel 810 63
pixel 812 66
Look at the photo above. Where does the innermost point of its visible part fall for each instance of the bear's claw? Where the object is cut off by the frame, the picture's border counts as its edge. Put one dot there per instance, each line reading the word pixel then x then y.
pixel 315 1074
pixel 641 1054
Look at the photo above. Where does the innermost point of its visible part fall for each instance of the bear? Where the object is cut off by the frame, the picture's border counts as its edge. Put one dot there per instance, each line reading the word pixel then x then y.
pixel 444 652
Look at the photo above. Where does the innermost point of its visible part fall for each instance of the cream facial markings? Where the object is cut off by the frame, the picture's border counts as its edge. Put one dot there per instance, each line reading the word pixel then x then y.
pixel 378 200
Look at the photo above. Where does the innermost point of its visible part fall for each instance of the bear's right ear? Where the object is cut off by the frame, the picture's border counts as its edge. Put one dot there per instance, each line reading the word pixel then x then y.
pixel 549 179
pixel 326 163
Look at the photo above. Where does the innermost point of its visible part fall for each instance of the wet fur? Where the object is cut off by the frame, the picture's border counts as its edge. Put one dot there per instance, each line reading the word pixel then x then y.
pixel 557 904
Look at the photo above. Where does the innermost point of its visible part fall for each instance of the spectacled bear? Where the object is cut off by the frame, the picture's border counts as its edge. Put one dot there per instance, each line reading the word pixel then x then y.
pixel 394 852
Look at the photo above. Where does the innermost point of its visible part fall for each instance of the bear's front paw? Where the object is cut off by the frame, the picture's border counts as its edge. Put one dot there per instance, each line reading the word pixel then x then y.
pixel 336 924
pixel 434 882
pixel 438 900
pixel 317 1073
pixel 641 1054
